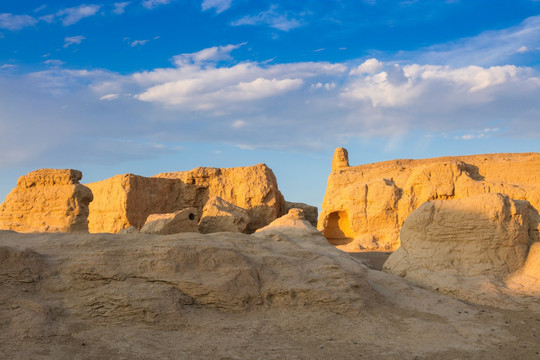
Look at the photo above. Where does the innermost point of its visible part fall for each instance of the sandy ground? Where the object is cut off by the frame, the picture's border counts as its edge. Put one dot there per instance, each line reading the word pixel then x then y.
pixel 291 335
pixel 373 259
pixel 44 312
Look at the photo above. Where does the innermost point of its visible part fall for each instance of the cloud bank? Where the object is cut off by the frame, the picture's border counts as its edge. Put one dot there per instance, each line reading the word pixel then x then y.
pixel 211 96
pixel 218 5
pixel 272 18
pixel 15 22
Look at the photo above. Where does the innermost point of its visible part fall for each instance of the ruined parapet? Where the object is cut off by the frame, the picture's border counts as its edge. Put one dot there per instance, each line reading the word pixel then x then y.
pixel 47 200
pixel 127 200
pixel 253 188
pixel 340 159
pixel 365 206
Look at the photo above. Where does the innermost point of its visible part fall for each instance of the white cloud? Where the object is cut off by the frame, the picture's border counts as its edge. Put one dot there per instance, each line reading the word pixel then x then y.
pixel 489 48
pixel 379 90
pixel 73 15
pixel 474 78
pixel 272 18
pixel 327 86
pixel 370 66
pixel 209 96
pixel 245 146
pixel 218 5
pixel 138 43
pixel 399 86
pixel 16 22
pixel 260 88
pixel 212 54
pixel 54 62
pixel 203 95
pixel 150 4
pixel 239 124
pixel 40 8
pixel 60 82
pixel 478 134
pixel 109 97
pixel 120 7
pixel 71 40
pixel 48 18
pixel 198 83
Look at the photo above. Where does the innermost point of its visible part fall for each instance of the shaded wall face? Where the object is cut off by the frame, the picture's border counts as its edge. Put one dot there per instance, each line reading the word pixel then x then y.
pixel 127 200
pixel 338 228
pixel 149 196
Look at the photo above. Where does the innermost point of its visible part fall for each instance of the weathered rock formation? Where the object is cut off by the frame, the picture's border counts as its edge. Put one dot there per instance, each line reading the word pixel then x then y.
pixel 253 188
pixel 458 246
pixel 127 200
pixel 479 235
pixel 365 206
pixel 129 230
pixel 220 215
pixel 173 223
pixel 145 279
pixel 527 279
pixel 340 159
pixel 47 200
pixel 293 225
pixel 197 296
pixel 311 213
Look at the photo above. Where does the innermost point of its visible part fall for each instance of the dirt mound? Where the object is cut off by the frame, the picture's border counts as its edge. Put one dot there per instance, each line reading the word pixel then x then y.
pixel 272 295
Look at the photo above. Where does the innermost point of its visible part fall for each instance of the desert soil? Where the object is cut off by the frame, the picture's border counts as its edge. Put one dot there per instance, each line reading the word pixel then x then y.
pixel 108 297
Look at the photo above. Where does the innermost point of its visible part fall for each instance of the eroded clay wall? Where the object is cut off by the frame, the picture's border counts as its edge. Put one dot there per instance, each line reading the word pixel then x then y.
pixel 377 198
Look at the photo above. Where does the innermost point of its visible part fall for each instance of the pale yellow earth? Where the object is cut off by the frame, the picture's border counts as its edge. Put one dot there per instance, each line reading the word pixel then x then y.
pixel 127 200
pixel 232 296
pixel 468 265
pixel 365 206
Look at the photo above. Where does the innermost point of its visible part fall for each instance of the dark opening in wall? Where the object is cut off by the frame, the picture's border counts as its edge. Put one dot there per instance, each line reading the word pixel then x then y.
pixel 338 228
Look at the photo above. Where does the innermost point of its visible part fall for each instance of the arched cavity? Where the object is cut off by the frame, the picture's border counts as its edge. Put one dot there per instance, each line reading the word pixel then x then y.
pixel 338 228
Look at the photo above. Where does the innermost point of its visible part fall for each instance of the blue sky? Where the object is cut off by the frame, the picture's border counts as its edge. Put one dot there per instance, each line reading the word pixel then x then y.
pixel 168 85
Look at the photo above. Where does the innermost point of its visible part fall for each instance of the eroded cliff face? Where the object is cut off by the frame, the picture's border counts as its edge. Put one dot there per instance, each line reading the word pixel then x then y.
pixel 47 200
pixel 253 188
pixel 465 247
pixel 127 200
pixel 365 206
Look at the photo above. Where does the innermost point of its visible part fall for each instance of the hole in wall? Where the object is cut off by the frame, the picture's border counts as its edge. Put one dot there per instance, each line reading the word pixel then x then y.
pixel 338 229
